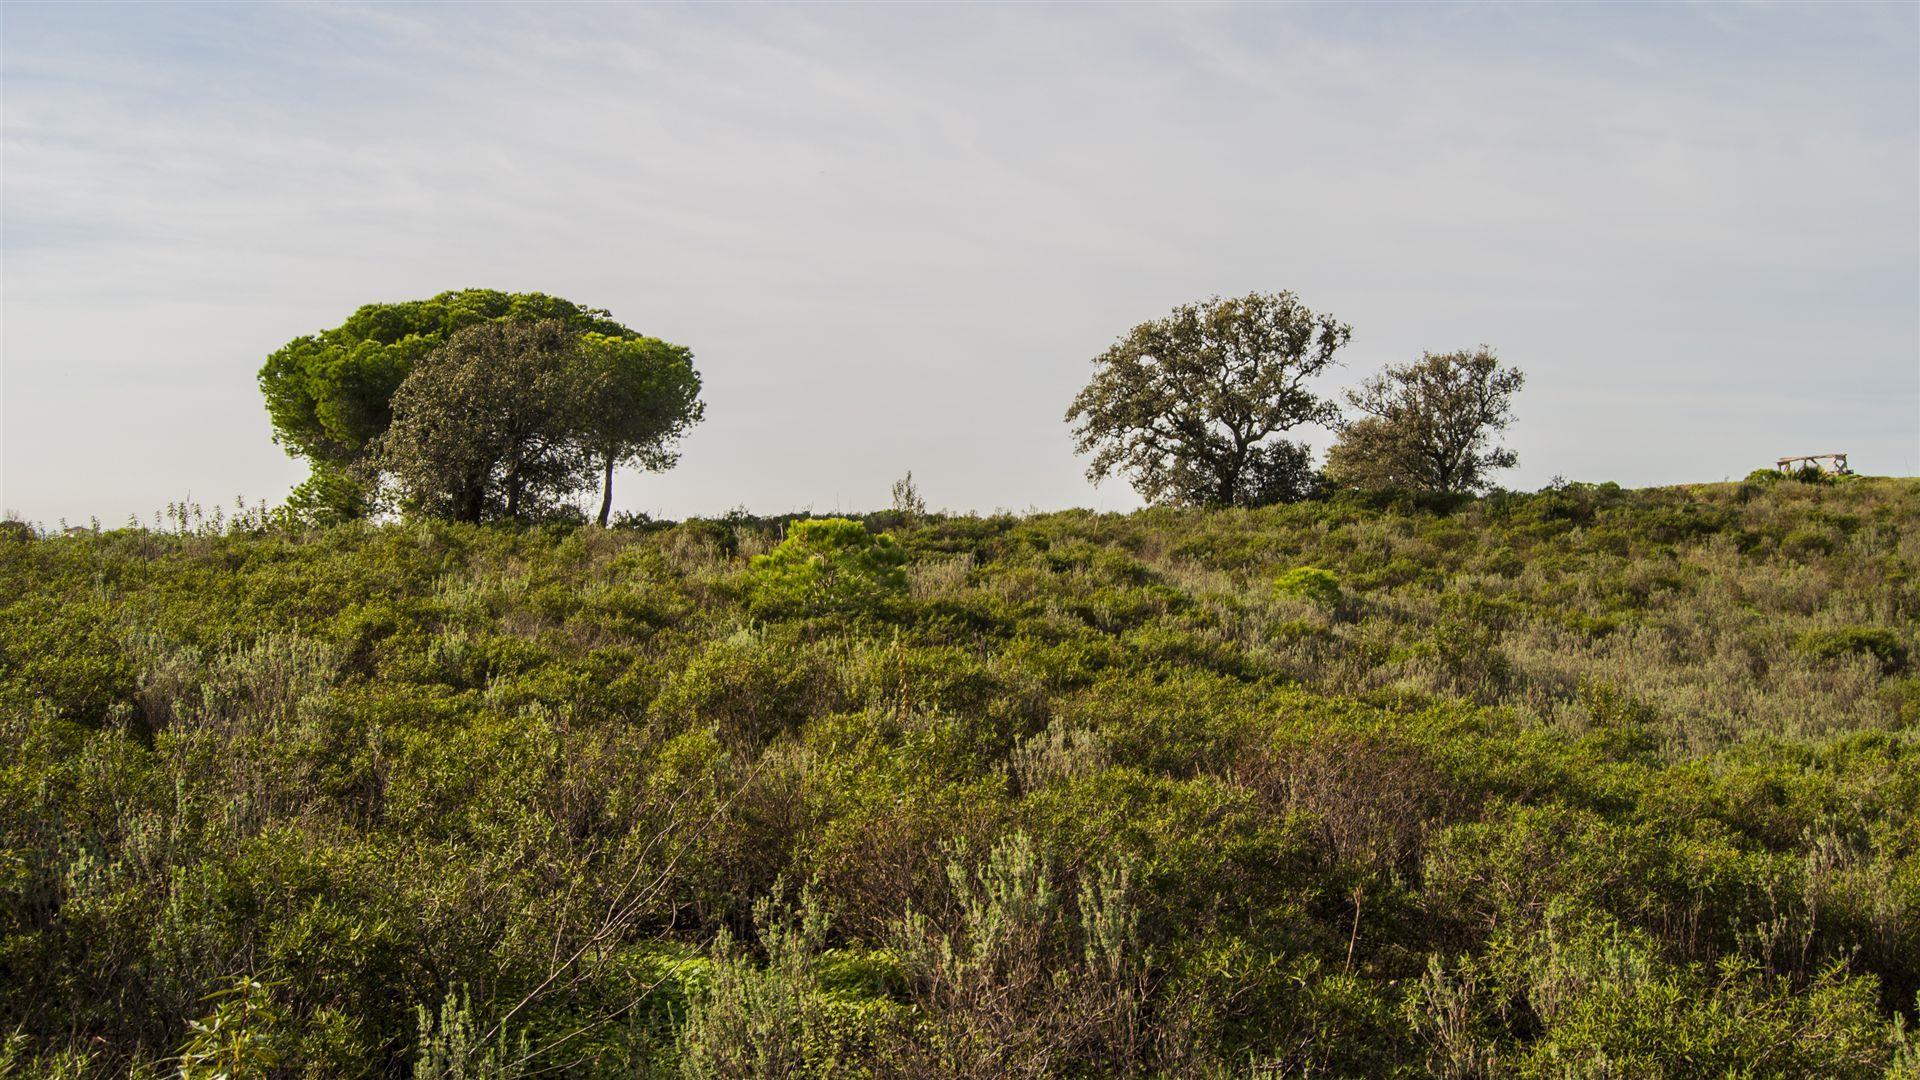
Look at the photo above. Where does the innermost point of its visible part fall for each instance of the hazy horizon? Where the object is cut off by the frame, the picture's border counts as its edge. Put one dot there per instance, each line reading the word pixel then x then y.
pixel 894 237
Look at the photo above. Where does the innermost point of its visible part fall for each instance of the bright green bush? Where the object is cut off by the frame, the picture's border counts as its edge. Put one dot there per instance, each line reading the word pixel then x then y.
pixel 1316 586
pixel 828 566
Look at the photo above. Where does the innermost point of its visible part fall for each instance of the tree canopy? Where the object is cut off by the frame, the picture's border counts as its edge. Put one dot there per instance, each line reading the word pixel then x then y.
pixel 638 396
pixel 509 419
pixel 1189 407
pixel 1427 426
pixel 485 427
pixel 330 394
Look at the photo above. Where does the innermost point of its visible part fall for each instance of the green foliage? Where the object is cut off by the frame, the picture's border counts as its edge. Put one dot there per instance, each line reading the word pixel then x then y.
pixel 508 419
pixel 807 1011
pixel 330 394
pixel 1309 583
pixel 244 1034
pixel 17 1059
pixel 828 566
pixel 1189 407
pixel 1579 782
pixel 1906 1049
pixel 1606 1003
pixel 635 398
pixel 1877 642
pixel 331 494
pixel 483 427
pixel 452 1046
pixel 1016 978
pixel 1425 426
pixel 749 688
pixel 70 655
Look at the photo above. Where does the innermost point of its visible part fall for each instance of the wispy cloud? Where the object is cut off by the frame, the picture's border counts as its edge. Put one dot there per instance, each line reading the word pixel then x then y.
pixel 895 235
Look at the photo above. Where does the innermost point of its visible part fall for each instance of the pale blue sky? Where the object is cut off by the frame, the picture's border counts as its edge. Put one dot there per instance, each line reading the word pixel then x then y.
pixel 895 236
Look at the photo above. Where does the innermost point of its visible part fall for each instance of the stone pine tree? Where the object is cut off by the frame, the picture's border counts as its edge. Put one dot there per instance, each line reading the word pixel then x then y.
pixel 1428 426
pixel 485 427
pixel 1191 408
pixel 330 394
pixel 637 396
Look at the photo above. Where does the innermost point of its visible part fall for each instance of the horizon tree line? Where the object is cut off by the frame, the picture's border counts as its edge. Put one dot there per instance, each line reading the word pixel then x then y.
pixel 1194 408
pixel 478 405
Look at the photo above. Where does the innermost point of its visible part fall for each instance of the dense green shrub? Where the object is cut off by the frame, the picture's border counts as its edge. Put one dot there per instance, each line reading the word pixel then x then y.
pixel 67 653
pixel 1877 642
pixel 828 566
pixel 1580 995
pixel 1580 782
pixel 1309 583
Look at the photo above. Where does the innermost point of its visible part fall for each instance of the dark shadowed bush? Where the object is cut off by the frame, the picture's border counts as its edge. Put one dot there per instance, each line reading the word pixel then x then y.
pixel 1877 642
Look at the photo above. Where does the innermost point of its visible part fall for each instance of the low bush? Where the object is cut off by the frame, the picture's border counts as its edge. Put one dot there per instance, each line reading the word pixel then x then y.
pixel 1580 782
pixel 1316 586
pixel 828 566
pixel 1876 642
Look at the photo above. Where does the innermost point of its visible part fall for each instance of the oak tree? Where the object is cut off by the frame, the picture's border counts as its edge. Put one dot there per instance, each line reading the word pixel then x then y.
pixel 1428 426
pixel 484 427
pixel 1190 407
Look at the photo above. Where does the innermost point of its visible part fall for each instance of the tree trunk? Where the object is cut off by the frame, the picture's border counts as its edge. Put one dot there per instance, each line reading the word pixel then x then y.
pixel 1230 482
pixel 606 492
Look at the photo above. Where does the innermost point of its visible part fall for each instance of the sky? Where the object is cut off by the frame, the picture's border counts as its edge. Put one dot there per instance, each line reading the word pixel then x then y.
pixel 895 237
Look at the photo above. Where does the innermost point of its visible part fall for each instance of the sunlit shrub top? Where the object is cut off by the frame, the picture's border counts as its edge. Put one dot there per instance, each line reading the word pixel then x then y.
pixel 828 566
pixel 1309 583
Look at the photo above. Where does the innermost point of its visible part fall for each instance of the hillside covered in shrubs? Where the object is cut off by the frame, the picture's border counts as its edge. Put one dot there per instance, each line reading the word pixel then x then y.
pixel 1587 782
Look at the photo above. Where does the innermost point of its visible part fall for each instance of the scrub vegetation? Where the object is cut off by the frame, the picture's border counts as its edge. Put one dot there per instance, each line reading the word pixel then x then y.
pixel 1587 782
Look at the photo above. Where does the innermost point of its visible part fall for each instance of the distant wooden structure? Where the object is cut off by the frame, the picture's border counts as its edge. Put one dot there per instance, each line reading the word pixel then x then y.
pixel 1835 464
